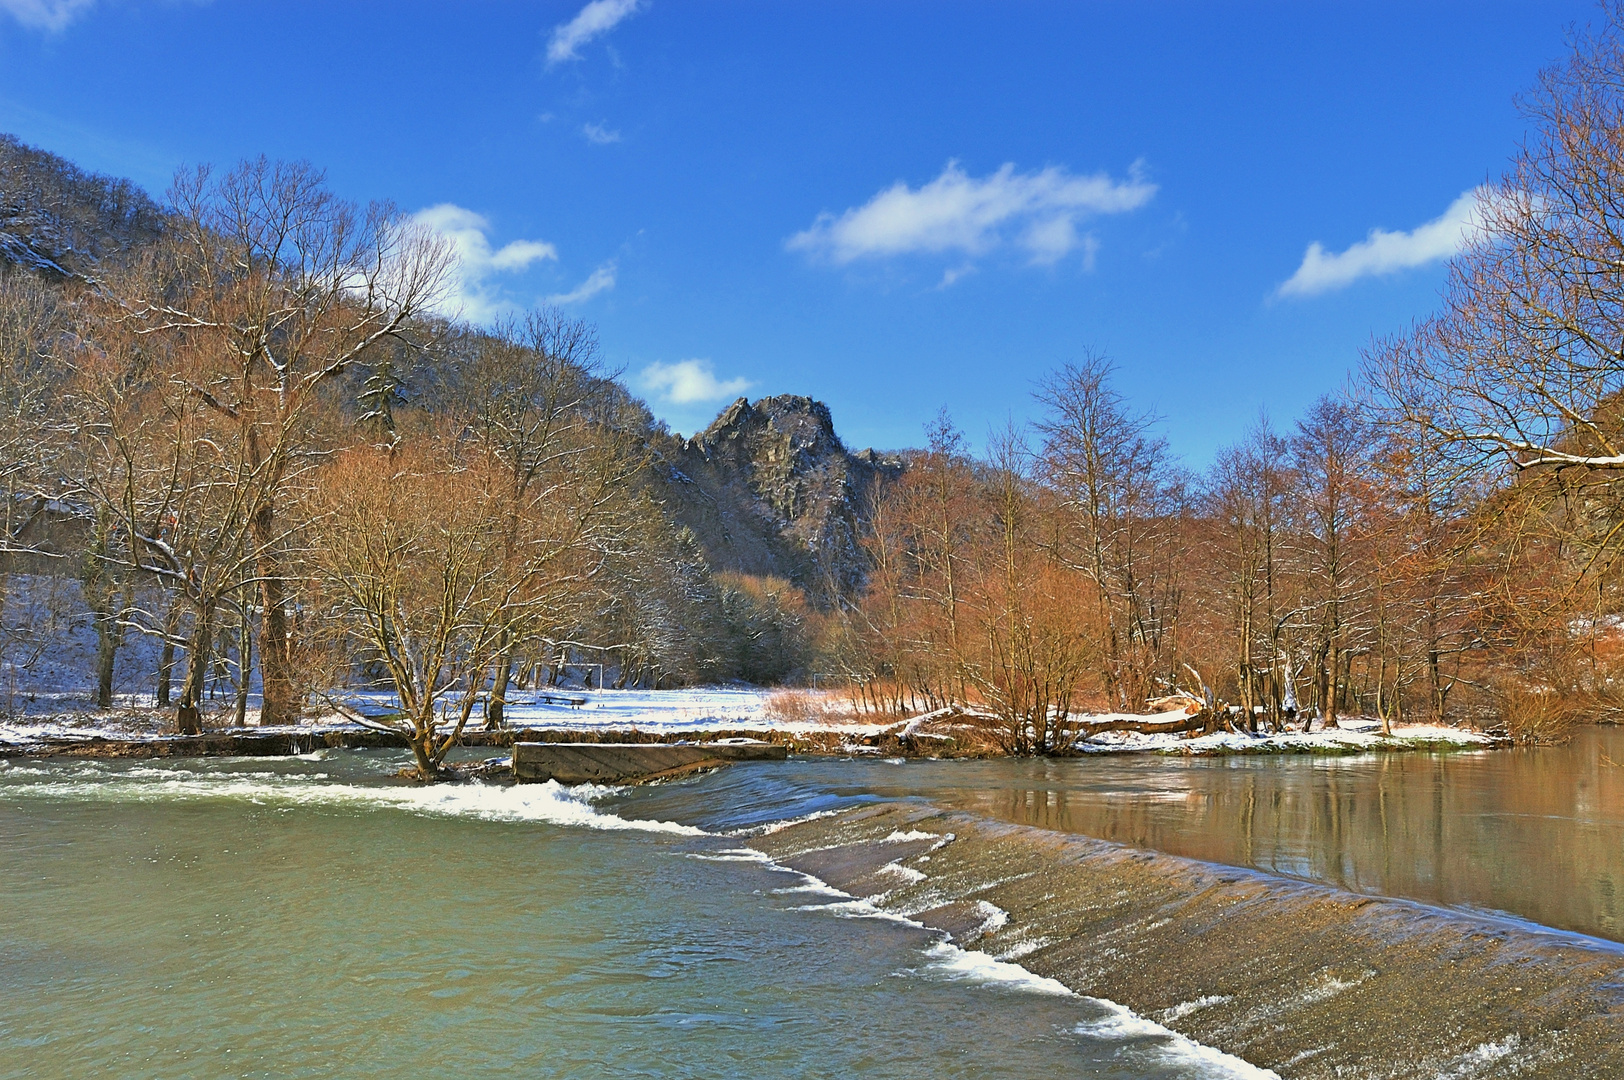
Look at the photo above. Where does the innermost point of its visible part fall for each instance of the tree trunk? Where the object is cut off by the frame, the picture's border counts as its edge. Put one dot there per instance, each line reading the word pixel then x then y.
pixel 245 667
pixel 166 660
pixel 496 706
pixel 109 636
pixel 1332 680
pixel 106 653
pixel 189 714
pixel 278 701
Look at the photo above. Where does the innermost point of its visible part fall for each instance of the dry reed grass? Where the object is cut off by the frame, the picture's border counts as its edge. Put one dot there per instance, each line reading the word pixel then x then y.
pixel 1537 715
pixel 812 707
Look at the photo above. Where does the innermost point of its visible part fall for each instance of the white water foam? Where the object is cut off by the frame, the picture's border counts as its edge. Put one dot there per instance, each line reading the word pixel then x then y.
pixel 548 803
pixel 774 826
pixel 978 968
pixel 970 965
pixel 1185 1008
pixel 907 873
pixel 898 837
pixel 1121 1023
pixel 1483 1054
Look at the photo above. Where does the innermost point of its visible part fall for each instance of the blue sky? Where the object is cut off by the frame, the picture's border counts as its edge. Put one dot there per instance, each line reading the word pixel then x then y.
pixel 891 206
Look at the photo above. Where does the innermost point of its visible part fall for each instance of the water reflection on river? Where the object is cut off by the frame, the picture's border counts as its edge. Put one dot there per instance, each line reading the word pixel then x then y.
pixel 1536 833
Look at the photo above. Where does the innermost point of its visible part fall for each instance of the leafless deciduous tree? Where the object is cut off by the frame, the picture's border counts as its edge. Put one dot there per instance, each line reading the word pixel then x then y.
pixel 265 288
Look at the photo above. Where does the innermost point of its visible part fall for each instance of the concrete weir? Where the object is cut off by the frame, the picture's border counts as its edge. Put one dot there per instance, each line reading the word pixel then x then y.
pixel 619 763
pixel 1306 980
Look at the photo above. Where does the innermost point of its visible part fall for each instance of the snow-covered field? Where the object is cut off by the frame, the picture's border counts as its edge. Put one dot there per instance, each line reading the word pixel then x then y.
pixel 706 708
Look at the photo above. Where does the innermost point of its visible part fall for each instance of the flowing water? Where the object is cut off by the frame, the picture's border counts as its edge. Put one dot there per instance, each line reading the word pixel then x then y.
pixel 312 917
pixel 248 918
pixel 1533 834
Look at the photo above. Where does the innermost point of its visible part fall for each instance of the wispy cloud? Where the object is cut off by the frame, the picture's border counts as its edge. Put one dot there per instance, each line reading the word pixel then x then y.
pixel 600 280
pixel 597 18
pixel 472 295
pixel 49 15
pixel 688 382
pixel 597 133
pixel 1038 212
pixel 1384 252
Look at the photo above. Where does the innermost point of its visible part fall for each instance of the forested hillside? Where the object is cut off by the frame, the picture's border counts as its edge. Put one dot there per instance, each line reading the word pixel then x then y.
pixel 216 409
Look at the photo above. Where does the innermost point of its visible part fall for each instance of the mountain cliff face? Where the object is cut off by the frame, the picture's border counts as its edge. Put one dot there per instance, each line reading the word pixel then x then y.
pixel 769 488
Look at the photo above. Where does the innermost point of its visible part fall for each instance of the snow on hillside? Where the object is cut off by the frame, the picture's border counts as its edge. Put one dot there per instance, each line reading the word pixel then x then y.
pixel 48 652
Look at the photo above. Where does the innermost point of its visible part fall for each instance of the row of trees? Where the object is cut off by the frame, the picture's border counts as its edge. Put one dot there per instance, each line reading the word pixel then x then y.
pixel 1078 566
pixel 280 461
pixel 1443 541
pixel 273 457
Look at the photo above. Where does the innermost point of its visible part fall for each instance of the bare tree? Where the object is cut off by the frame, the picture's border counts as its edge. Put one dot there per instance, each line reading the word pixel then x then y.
pixel 265 288
pixel 1248 495
pixel 1113 481
pixel 414 573
pixel 1522 373
pixel 1329 451
pixel 535 402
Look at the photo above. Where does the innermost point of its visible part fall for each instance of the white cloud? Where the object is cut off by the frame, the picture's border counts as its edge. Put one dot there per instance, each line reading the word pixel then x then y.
pixel 600 280
pixel 956 212
pixel 477 261
pixel 689 382
pixel 597 133
pixel 597 18
pixel 1384 252
pixel 49 15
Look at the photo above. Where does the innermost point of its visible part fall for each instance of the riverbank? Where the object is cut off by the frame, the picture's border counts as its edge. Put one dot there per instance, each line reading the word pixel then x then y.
pixel 668 716
pixel 1306 980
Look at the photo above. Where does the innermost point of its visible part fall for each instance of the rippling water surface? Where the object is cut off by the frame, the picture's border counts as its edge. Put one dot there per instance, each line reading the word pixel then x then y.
pixel 310 917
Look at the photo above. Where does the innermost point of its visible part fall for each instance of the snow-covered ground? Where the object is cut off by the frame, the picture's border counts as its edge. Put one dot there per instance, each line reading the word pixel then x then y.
pixel 1351 736
pixel 705 708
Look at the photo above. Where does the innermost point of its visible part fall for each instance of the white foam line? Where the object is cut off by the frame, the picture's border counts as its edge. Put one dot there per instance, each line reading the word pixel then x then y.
pixel 548 803
pixel 1122 1023
pixel 897 836
pixel 906 873
pixel 976 967
pixel 775 826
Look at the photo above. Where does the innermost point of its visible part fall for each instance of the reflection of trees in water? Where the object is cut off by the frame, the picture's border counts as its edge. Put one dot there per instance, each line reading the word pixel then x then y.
pixel 1538 833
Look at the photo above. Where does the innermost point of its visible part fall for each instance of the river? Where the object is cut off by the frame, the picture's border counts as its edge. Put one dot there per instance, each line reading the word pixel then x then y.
pixel 313 917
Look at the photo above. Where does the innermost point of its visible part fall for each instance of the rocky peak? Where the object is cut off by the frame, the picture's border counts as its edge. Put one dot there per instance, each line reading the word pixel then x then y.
pixel 788 429
pixel 791 474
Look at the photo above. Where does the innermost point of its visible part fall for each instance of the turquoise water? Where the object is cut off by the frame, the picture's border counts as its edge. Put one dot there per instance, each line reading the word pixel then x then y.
pixel 312 918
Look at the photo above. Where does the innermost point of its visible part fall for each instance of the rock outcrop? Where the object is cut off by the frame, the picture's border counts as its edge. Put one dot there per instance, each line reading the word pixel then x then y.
pixel 769 488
